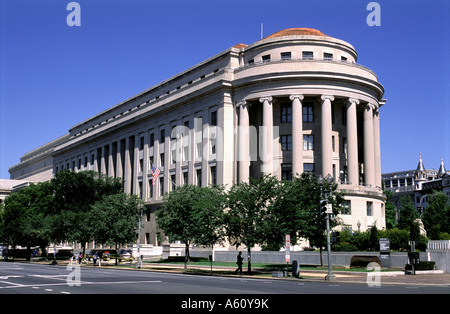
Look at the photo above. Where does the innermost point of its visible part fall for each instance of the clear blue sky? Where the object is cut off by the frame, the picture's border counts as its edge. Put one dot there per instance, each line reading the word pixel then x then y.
pixel 53 76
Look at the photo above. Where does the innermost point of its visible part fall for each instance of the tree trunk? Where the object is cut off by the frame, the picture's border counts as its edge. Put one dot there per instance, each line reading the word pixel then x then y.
pixel 249 260
pixel 117 253
pixel 186 255
pixel 321 257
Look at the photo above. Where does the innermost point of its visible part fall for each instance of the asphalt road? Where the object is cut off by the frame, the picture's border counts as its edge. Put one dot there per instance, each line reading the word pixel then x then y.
pixel 28 278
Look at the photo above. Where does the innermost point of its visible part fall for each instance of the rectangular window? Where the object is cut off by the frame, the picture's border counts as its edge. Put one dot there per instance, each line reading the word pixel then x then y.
pixel 150 191
pixel 308 167
pixel 328 56
pixel 307 55
pixel 213 146
pixel 286 172
pixel 161 160
pixel 213 118
pixel 152 139
pixel 343 58
pixel 185 177
pixel 286 113
pixel 266 58
pixel 308 142
pixel 308 113
pixel 346 208
pixel 369 206
pixel 162 136
pixel 286 55
pixel 161 186
pixel 213 175
pixel 286 142
pixel 172 182
pixel 199 177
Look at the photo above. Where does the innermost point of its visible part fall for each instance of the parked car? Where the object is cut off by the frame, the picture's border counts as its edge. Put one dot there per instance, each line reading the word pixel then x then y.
pixel 107 254
pixel 125 255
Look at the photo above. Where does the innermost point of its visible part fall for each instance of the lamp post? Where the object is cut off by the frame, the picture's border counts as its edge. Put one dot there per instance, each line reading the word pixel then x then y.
pixel 138 242
pixel 324 194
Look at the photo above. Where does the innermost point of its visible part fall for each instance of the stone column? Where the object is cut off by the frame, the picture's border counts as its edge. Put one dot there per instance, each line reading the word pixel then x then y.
pixel 243 142
pixel 369 152
pixel 127 167
pixel 110 157
pixel 266 136
pixel 352 142
pixel 377 154
pixel 297 134
pixel 327 153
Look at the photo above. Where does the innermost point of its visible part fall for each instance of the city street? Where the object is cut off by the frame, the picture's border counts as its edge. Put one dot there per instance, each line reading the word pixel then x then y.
pixel 26 278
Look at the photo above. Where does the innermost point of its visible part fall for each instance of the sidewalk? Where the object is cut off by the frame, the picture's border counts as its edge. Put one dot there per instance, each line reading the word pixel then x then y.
pixel 421 278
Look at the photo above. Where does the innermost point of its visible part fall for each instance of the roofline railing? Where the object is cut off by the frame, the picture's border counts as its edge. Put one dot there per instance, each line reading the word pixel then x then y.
pixel 308 59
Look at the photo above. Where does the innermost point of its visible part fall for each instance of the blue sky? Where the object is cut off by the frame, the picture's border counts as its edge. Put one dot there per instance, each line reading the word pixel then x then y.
pixel 53 76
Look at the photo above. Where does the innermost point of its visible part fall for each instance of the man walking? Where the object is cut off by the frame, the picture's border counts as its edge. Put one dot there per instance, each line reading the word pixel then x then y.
pixel 239 263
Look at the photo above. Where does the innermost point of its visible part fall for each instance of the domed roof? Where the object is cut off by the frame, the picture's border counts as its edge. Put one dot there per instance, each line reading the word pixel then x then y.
pixel 297 32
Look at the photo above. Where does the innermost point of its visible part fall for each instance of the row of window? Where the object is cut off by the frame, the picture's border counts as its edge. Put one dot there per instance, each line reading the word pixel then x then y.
pixel 308 113
pixel 308 143
pixel 158 189
pixel 306 55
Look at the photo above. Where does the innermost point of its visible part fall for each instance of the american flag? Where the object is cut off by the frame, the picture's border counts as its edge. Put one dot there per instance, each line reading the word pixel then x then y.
pixel 155 172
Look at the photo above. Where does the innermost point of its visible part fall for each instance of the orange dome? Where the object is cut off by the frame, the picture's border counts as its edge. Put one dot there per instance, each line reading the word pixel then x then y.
pixel 296 32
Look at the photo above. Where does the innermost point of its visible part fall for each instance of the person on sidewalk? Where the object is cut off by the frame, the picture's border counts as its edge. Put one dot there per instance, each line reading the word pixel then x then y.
pixel 239 263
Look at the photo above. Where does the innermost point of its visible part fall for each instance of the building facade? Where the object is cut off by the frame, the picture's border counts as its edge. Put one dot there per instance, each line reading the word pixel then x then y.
pixel 293 102
pixel 418 184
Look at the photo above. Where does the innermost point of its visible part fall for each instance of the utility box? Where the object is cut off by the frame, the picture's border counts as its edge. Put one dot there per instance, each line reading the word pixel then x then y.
pixel 295 269
pixel 385 253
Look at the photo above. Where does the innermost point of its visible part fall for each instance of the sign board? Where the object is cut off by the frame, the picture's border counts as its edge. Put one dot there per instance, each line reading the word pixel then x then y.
pixel 385 252
pixel 329 208
pixel 288 248
pixel 385 245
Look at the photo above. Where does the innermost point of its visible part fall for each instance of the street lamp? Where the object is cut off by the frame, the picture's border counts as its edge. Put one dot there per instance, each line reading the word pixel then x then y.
pixel 326 192
pixel 138 242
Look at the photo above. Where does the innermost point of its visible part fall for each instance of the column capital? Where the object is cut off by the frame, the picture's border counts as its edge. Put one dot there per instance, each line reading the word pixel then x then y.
pixel 242 103
pixel 296 96
pixel 353 100
pixel 370 106
pixel 325 97
pixel 268 98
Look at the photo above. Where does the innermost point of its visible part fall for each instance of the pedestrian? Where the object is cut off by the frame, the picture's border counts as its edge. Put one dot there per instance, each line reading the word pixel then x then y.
pixel 95 257
pixel 71 257
pixel 100 256
pixel 239 263
pixel 80 257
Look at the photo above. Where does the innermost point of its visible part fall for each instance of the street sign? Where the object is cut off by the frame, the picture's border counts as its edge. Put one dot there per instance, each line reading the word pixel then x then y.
pixel 288 248
pixel 329 208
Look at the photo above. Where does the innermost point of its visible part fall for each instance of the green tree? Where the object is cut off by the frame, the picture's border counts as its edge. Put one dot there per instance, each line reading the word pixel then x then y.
pixel 24 220
pixel 192 214
pixel 436 216
pixel 373 238
pixel 74 193
pixel 407 212
pixel 116 219
pixel 246 219
pixel 390 210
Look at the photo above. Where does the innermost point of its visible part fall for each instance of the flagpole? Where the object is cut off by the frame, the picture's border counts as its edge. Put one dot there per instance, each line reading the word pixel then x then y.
pixel 163 173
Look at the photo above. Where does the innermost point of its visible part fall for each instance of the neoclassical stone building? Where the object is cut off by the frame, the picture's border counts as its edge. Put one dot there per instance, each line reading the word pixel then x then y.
pixel 292 102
